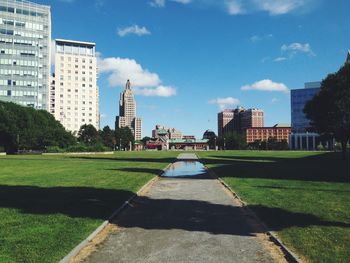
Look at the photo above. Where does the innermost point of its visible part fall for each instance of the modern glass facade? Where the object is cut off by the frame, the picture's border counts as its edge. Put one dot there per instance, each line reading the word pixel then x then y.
pixel 25 39
pixel 299 97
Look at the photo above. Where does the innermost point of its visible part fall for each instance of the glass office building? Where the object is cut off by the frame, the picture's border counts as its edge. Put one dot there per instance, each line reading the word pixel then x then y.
pixel 300 138
pixel 25 39
pixel 299 98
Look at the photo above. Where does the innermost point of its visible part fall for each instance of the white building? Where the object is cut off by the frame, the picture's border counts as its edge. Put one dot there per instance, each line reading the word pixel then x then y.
pixel 127 113
pixel 74 94
pixel 25 39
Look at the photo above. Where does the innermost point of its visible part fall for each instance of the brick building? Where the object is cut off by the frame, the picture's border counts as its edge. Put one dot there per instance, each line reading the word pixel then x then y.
pixel 280 132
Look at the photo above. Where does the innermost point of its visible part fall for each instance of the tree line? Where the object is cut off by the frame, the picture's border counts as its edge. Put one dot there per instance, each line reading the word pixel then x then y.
pixel 24 129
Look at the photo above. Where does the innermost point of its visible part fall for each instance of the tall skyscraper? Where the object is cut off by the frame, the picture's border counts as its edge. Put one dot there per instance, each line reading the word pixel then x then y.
pixel 127 112
pixel 25 39
pixel 74 94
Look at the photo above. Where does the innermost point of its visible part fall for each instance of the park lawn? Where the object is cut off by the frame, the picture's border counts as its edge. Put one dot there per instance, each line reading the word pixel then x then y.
pixel 303 196
pixel 49 204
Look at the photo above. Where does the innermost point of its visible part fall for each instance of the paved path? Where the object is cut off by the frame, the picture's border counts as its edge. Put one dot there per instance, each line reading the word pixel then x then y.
pixel 183 220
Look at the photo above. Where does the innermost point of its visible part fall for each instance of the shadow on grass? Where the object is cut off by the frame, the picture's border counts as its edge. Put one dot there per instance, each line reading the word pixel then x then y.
pixel 146 213
pixel 301 189
pixel 138 170
pixel 326 167
pixel 83 202
pixel 140 160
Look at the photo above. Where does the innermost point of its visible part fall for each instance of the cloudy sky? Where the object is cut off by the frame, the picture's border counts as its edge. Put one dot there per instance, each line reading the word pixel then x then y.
pixel 188 59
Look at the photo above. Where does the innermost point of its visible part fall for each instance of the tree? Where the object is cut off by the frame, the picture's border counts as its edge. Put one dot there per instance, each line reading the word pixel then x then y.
pixel 107 136
pixel 145 140
pixel 329 110
pixel 233 141
pixel 88 134
pixel 24 128
pixel 123 137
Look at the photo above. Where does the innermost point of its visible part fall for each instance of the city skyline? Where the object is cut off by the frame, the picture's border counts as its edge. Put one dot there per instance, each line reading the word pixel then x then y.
pixel 218 55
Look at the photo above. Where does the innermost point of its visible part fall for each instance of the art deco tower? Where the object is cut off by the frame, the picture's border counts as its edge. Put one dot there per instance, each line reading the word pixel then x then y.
pixel 127 112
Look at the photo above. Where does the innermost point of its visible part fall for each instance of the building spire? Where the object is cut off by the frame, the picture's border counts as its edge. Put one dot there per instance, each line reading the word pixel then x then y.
pixel 128 85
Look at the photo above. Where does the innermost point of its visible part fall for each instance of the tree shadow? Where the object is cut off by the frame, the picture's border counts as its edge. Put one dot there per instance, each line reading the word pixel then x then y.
pixel 148 213
pixel 83 202
pixel 301 189
pixel 140 160
pixel 138 170
pixel 324 167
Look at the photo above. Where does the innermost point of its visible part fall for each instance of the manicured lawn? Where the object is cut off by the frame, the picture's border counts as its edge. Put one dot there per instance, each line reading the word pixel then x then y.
pixel 303 196
pixel 49 204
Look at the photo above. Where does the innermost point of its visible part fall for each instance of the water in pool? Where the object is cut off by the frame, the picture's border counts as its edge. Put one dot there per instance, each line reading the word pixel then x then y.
pixel 185 169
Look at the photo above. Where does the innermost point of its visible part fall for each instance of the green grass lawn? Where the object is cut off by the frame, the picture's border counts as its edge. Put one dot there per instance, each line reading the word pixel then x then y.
pixel 49 204
pixel 303 196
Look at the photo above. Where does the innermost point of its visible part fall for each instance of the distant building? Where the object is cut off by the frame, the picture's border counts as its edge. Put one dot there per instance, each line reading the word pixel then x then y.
pixel 25 42
pixel 188 137
pixel 74 94
pixel 225 122
pixel 127 112
pixel 189 144
pixel 238 120
pixel 301 138
pixel 280 132
pixel 171 133
pixel 251 118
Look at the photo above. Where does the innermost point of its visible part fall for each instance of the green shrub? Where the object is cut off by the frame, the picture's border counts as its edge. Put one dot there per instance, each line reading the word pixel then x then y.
pixel 54 149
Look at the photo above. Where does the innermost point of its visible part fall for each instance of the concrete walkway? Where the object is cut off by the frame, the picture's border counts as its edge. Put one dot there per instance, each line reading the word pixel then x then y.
pixel 183 220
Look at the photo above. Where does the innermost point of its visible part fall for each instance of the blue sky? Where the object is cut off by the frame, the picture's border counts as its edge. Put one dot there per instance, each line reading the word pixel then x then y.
pixel 188 59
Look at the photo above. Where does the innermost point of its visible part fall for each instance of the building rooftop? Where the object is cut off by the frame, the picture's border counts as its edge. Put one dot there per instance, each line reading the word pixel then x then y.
pixel 282 125
pixel 74 42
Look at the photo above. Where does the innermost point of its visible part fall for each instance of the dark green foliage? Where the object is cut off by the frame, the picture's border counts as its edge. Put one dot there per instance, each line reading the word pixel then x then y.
pixel 107 136
pixel 211 136
pixel 123 137
pixel 271 144
pixel 88 134
pixel 23 128
pixel 329 110
pixel 145 140
pixel 232 141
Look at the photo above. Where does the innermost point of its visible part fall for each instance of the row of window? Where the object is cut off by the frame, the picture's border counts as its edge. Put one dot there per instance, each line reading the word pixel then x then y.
pixel 21 42
pixel 22 73
pixel 75 49
pixel 18 52
pixel 20 24
pixel 26 63
pixel 21 83
pixel 21 33
pixel 16 93
pixel 20 11
pixel 76 60
pixel 76 102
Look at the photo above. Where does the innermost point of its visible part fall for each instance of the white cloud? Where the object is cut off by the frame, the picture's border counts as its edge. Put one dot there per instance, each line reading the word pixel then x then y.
pixel 234 7
pixel 279 7
pixel 294 48
pixel 224 102
pixel 280 59
pixel 133 30
pixel 122 69
pixel 257 38
pixel 266 85
pixel 157 3
pixel 145 83
pixel 237 7
pixel 274 100
pixel 160 91
pixel 161 3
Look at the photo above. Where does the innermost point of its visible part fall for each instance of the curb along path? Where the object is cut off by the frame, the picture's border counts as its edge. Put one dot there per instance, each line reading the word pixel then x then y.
pixel 184 219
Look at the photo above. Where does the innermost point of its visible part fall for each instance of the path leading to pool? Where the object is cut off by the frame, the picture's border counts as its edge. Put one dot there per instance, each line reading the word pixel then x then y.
pixel 185 217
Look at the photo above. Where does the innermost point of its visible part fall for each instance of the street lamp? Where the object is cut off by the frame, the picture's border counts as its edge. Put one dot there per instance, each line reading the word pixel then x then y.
pixel 215 143
pixel 224 143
